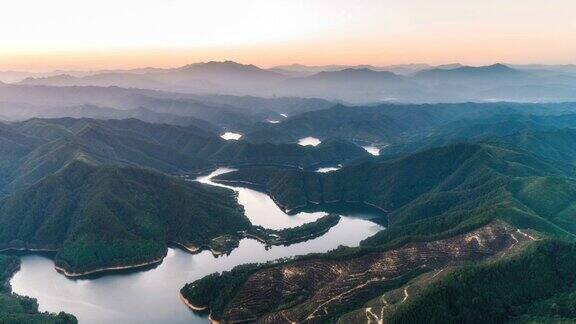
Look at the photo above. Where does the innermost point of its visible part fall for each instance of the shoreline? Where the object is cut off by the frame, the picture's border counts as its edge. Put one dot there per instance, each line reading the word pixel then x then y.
pixel 190 305
pixel 197 249
pixel 196 308
pixel 113 268
pixel 294 209
pixel 28 250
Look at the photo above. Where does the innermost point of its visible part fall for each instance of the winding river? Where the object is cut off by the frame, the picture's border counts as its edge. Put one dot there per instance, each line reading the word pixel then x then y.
pixel 151 296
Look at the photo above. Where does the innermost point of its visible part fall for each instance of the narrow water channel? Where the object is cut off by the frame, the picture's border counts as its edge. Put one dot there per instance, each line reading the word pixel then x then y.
pixel 151 296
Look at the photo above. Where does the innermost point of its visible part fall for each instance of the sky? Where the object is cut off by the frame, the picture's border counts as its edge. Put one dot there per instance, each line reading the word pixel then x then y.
pixel 82 34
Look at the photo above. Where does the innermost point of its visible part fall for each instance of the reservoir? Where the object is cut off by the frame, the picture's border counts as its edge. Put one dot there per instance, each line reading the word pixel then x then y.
pixel 231 136
pixel 309 141
pixel 151 296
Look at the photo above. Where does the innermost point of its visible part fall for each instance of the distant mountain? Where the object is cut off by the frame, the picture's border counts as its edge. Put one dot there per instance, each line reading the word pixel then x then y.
pixel 445 66
pixel 304 70
pixel 354 84
pixel 19 112
pixel 566 68
pixel 493 73
pixel 357 84
pixel 57 80
pixel 222 77
pixel 36 148
pixel 355 75
pixel 126 80
pixel 214 69
pixel 40 100
pixel 281 106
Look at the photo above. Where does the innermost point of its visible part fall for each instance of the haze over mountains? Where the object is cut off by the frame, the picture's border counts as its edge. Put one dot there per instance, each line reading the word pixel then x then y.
pixel 355 84
pixel 471 169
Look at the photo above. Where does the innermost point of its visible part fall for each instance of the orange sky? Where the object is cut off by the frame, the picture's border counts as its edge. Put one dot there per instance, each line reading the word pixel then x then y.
pixel 82 34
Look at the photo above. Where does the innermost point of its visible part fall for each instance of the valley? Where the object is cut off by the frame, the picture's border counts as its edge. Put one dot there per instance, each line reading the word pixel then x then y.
pixel 118 199
pixel 274 161
pixel 102 298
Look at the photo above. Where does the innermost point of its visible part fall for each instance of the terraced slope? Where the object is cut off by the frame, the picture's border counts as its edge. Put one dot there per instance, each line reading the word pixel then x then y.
pixel 317 289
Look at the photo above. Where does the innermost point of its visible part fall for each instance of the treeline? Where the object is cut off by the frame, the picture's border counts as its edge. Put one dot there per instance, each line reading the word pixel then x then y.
pixel 216 290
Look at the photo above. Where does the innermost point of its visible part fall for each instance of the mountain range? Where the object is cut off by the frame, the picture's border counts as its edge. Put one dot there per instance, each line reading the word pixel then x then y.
pixel 357 84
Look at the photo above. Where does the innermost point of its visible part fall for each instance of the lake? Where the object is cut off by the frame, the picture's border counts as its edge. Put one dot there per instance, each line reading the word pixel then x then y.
pixel 372 150
pixel 151 296
pixel 309 141
pixel 231 136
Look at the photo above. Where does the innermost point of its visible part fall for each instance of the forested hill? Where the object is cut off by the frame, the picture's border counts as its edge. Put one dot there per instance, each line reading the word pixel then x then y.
pixel 453 200
pixel 438 190
pixel 38 147
pixel 403 124
pixel 102 217
pixel 329 152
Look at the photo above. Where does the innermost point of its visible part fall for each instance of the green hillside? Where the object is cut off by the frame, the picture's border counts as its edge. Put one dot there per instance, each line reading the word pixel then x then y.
pixel 409 127
pixel 38 147
pixel 98 217
pixel 435 191
pixel 495 292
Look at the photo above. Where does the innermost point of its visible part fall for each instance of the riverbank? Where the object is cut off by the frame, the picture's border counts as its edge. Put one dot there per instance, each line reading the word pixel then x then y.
pixel 292 235
pixel 106 269
pixel 197 308
pixel 197 249
pixel 189 304
pixel 290 210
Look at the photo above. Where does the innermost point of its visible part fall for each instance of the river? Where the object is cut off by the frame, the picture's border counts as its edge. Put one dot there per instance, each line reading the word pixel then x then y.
pixel 151 296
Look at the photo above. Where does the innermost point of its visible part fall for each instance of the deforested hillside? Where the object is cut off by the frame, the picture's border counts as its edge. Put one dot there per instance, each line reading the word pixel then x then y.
pixel 320 289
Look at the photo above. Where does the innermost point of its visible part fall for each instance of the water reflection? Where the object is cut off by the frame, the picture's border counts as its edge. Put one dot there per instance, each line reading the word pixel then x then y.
pixel 260 209
pixel 327 169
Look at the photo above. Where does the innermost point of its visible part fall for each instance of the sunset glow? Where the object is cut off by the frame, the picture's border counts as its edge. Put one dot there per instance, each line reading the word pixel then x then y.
pixel 69 34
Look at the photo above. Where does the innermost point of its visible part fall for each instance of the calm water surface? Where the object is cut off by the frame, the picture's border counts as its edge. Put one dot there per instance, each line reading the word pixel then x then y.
pixel 372 150
pixel 309 141
pixel 151 296
pixel 231 136
pixel 327 169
